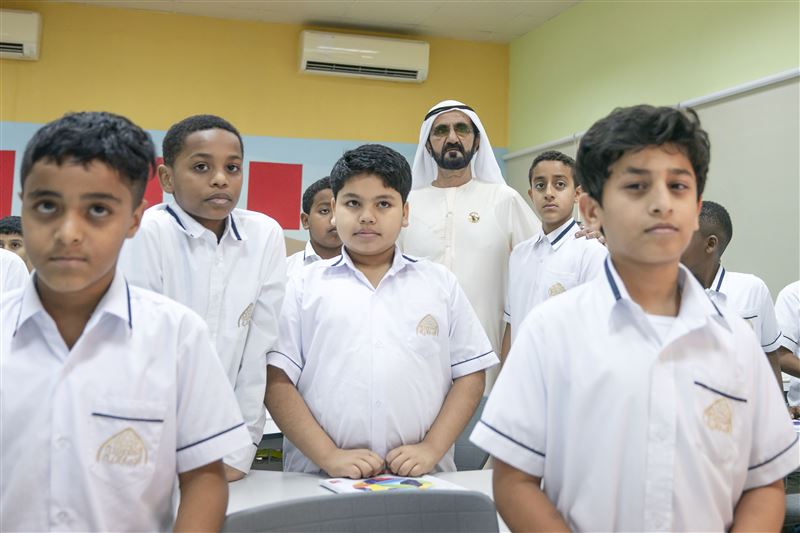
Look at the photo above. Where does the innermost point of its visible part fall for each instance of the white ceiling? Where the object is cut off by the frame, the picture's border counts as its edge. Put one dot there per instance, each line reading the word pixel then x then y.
pixel 476 20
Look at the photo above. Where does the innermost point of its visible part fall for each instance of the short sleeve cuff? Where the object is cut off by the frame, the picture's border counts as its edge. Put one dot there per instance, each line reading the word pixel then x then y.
pixel 242 459
pixel 774 345
pixel 474 364
pixel 288 364
pixel 213 447
pixel 788 343
pixel 782 463
pixel 509 450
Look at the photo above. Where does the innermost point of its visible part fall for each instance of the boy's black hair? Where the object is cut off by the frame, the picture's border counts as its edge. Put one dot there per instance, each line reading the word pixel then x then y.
pixel 10 224
pixel 309 194
pixel 375 159
pixel 552 155
pixel 177 133
pixel 95 136
pixel 629 129
pixel 715 219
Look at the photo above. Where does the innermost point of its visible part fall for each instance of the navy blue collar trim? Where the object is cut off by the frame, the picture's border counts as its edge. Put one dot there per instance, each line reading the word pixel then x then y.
pixel 130 315
pixel 721 277
pixel 715 307
pixel 233 227
pixel 176 217
pixel 409 258
pixel 611 282
pixel 341 258
pixel 438 110
pixel 561 235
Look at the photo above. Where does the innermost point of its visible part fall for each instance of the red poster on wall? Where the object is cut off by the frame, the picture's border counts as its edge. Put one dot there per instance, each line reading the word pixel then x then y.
pixel 7 158
pixel 275 189
pixel 153 193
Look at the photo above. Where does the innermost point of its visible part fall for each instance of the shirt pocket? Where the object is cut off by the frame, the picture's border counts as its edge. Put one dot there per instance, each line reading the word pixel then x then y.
pixel 425 330
pixel 554 282
pixel 126 435
pixel 720 412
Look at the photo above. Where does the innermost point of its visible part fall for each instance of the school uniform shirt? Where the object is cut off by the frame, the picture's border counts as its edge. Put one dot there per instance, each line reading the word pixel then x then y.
pixel 94 436
pixel 471 230
pixel 748 296
pixel 546 265
pixel 236 285
pixel 633 431
pixel 13 272
pixel 296 261
pixel 374 365
pixel 787 311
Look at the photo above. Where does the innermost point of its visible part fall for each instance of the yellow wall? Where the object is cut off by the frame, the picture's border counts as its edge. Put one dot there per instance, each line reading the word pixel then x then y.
pixel 158 68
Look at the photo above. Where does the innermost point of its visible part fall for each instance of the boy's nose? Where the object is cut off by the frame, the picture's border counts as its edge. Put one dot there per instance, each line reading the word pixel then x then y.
pixel 367 217
pixel 70 230
pixel 660 200
pixel 219 179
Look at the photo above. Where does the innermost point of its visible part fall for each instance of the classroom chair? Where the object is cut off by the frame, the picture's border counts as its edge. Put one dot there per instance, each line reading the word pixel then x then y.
pixel 467 456
pixel 430 511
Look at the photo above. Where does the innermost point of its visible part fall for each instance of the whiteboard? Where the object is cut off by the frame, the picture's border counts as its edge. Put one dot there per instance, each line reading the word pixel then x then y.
pixel 754 173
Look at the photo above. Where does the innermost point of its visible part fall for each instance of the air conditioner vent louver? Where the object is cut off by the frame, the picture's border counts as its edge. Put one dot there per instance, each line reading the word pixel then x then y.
pixel 20 34
pixel 11 48
pixel 319 66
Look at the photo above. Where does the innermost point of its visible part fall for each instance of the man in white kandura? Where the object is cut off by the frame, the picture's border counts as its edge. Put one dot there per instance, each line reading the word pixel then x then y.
pixel 462 214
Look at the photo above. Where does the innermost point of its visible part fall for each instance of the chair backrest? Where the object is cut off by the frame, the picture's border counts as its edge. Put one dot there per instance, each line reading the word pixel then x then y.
pixel 467 456
pixel 430 511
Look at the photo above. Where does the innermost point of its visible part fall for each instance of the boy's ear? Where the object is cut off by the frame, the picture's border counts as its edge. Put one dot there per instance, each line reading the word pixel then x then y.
pixel 405 215
pixel 304 220
pixel 578 192
pixel 530 194
pixel 333 211
pixel 137 219
pixel 712 242
pixel 591 211
pixel 165 179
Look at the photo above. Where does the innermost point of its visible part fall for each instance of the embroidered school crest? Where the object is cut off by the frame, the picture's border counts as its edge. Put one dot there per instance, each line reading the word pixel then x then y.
pixel 246 315
pixel 474 217
pixel 124 448
pixel 718 416
pixel 428 327
pixel 556 289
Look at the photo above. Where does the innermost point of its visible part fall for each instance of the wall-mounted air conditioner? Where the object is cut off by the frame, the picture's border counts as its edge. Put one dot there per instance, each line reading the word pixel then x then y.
pixel 20 34
pixel 362 56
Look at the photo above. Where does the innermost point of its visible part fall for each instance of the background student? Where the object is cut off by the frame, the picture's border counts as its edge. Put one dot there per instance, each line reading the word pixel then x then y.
pixel 109 391
pixel 225 263
pixel 323 241
pixel 380 360
pixel 11 237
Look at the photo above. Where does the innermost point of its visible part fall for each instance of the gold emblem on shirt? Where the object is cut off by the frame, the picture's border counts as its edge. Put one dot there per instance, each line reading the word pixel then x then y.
pixel 556 289
pixel 246 315
pixel 428 327
pixel 474 217
pixel 718 416
pixel 124 448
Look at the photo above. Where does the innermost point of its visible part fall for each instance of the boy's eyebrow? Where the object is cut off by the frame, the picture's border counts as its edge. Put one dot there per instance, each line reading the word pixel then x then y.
pixel 44 193
pixel 205 154
pixel 646 172
pixel 541 177
pixel 40 193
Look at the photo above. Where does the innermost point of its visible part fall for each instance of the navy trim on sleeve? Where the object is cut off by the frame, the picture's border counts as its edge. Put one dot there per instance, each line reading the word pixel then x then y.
pixel 518 443
pixel 791 339
pixel 175 216
pixel 773 342
pixel 211 437
pixel 725 394
pixel 132 419
pixel 286 356
pixel 472 358
pixel 789 447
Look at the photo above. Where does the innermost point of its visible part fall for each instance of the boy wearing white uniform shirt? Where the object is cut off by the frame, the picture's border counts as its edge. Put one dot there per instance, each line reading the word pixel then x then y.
pixel 323 241
pixel 787 311
pixel 225 263
pixel 744 294
pixel 555 260
pixel 380 359
pixel 13 272
pixel 660 413
pixel 108 391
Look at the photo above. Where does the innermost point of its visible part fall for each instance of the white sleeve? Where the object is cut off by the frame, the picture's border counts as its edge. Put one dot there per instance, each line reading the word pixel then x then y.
pixel 513 425
pixel 209 423
pixel 251 381
pixel 15 273
pixel 773 452
pixel 141 257
pixel 770 332
pixel 787 312
pixel 470 349
pixel 287 354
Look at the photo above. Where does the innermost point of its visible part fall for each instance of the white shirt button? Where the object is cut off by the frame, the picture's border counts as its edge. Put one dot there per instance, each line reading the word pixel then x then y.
pixel 62 516
pixel 62 442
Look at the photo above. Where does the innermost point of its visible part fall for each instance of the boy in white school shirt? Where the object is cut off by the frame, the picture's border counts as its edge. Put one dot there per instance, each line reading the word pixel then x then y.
pixel 380 359
pixel 13 272
pixel 639 403
pixel 108 391
pixel 745 294
pixel 225 263
pixel 787 311
pixel 554 260
pixel 323 241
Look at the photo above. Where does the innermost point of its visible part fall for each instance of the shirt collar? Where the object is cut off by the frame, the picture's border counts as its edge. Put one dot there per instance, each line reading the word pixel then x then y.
pixel 116 302
pixel 719 277
pixel 560 235
pixel 696 308
pixel 309 255
pixel 192 228
pixel 399 262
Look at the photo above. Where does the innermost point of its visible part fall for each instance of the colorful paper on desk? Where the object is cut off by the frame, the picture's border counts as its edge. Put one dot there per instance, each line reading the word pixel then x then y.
pixel 387 482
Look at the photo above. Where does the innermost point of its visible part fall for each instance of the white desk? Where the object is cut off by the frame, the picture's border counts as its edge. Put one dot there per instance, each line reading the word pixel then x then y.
pixel 261 487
